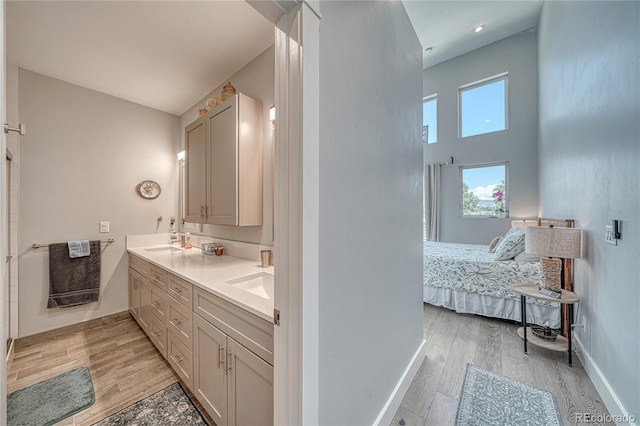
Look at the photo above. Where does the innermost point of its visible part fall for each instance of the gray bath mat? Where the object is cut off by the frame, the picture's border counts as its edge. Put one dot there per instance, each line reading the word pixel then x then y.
pixel 51 400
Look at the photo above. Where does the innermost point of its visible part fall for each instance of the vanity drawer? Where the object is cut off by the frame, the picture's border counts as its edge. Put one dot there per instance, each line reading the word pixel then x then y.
pixel 139 265
pixel 180 322
pixel 181 359
pixel 246 328
pixel 181 290
pixel 158 277
pixel 158 334
pixel 159 304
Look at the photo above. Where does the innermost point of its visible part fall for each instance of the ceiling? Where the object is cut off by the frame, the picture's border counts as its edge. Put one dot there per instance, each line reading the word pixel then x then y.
pixel 163 54
pixel 168 54
pixel 448 26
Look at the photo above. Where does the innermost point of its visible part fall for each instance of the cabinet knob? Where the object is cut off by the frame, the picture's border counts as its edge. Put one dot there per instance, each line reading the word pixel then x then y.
pixel 177 290
pixel 176 321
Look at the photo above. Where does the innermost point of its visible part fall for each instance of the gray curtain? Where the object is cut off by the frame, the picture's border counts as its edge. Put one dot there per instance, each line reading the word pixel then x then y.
pixel 432 201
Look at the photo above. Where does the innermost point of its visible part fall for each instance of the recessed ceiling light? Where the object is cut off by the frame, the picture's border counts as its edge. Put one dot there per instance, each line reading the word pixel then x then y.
pixel 428 50
pixel 478 28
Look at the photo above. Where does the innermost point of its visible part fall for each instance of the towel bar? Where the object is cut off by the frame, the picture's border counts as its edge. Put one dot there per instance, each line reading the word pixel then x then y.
pixel 38 245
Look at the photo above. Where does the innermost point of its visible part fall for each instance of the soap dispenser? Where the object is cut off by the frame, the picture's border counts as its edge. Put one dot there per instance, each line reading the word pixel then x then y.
pixel 172 228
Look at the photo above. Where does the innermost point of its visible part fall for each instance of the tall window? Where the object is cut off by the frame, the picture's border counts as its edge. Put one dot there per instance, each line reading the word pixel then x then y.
pixel 483 106
pixel 484 190
pixel 430 119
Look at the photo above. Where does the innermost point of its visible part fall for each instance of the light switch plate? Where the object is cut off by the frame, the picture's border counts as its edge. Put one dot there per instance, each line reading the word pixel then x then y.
pixel 609 238
pixel 104 227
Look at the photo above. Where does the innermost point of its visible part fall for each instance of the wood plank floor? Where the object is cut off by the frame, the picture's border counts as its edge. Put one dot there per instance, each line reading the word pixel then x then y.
pixel 125 366
pixel 453 340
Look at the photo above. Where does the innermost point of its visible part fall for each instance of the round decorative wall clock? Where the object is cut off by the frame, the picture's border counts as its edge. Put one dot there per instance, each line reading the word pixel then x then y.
pixel 148 189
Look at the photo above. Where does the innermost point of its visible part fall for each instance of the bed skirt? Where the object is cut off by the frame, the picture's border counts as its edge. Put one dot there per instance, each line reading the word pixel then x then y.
pixel 490 306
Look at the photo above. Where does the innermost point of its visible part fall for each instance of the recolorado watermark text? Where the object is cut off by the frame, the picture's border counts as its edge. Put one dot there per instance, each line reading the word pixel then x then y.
pixel 604 418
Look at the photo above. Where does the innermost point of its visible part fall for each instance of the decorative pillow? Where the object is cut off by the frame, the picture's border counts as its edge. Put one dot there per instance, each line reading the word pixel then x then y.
pixel 511 245
pixel 494 243
pixel 527 257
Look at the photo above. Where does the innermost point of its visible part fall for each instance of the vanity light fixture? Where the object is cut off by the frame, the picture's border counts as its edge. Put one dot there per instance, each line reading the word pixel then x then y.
pixel 478 28
pixel 272 113
pixel 181 155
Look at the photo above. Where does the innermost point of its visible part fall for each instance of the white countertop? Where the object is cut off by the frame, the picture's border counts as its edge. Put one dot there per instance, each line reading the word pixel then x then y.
pixel 212 274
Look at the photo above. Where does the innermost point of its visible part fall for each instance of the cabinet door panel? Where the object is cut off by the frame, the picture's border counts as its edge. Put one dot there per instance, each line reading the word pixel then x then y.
pixel 134 293
pixel 223 160
pixel 195 171
pixel 209 378
pixel 250 387
pixel 145 305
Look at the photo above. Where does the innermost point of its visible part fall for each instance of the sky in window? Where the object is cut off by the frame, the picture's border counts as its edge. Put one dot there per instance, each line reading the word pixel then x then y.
pixel 483 109
pixel 482 180
pixel 429 115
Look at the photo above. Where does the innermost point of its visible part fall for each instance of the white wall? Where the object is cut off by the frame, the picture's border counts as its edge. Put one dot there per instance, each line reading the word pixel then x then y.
pixel 370 263
pixel 80 162
pixel 516 55
pixel 589 157
pixel 257 80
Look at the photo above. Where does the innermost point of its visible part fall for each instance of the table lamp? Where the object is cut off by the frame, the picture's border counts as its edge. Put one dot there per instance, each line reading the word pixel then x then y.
pixel 552 243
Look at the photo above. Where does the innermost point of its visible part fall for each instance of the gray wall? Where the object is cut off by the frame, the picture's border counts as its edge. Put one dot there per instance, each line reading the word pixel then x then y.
pixel 589 157
pixel 80 161
pixel 257 80
pixel 518 144
pixel 370 207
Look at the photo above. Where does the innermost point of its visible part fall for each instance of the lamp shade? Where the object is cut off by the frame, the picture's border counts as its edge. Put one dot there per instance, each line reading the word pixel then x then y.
pixel 552 241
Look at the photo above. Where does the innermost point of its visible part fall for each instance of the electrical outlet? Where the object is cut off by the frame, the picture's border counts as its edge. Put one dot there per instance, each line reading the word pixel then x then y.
pixel 609 236
pixel 104 227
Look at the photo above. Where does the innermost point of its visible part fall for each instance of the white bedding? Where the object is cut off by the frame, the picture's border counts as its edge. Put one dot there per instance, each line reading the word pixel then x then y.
pixel 465 278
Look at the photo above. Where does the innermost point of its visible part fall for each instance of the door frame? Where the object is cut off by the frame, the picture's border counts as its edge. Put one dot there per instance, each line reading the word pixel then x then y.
pixel 3 184
pixel 296 213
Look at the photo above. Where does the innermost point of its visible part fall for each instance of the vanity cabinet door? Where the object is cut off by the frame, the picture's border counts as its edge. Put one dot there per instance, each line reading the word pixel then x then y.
pixel 250 387
pixel 195 171
pixel 135 285
pixel 209 369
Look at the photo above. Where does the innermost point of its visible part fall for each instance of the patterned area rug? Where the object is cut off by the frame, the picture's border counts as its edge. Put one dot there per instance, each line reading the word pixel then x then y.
pixel 491 399
pixel 49 401
pixel 170 406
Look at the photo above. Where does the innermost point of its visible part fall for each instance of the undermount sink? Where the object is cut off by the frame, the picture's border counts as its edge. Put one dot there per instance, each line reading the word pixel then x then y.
pixel 164 248
pixel 260 284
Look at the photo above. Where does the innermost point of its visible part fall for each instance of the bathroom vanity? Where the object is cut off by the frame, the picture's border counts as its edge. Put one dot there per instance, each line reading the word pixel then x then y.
pixel 211 317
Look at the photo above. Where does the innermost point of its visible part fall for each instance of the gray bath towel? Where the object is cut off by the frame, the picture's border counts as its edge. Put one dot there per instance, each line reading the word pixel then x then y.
pixel 73 281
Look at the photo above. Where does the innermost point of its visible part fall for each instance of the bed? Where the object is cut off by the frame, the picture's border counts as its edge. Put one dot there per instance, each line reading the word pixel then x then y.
pixel 466 278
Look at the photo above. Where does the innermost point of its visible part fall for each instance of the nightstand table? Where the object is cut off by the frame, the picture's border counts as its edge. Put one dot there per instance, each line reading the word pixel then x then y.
pixel 560 343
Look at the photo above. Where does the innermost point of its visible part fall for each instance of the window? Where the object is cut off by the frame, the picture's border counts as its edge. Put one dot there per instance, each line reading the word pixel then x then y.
pixel 430 119
pixel 484 190
pixel 483 106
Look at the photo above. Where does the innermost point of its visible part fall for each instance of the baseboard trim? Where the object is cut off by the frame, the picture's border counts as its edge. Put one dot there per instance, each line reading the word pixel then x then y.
pixel 395 399
pixel 600 382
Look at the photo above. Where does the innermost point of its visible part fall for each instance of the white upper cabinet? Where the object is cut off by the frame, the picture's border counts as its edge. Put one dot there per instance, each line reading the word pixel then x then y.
pixel 224 164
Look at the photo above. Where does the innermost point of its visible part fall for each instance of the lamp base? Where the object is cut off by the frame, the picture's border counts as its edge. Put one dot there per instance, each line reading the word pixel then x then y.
pixel 551 271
